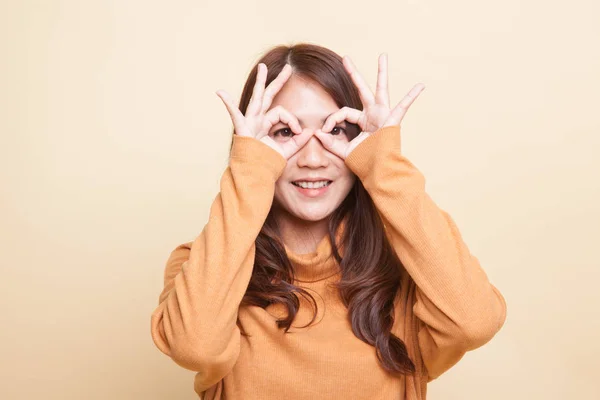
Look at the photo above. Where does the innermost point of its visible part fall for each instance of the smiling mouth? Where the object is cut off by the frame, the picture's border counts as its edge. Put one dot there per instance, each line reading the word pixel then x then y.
pixel 312 185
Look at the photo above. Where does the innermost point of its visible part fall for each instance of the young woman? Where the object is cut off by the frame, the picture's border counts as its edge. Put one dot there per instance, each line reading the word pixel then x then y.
pixel 325 271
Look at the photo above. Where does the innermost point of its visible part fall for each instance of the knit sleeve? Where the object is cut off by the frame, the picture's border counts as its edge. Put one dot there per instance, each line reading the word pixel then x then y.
pixel 206 279
pixel 456 308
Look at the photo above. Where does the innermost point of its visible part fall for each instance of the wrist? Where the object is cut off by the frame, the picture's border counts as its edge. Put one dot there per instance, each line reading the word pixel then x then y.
pixel 248 149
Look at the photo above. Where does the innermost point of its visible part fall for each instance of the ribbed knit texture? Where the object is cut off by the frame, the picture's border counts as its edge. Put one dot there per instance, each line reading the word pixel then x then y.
pixel 446 306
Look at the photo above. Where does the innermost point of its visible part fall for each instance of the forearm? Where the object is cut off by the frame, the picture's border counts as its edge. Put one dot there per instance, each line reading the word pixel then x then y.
pixel 457 305
pixel 205 281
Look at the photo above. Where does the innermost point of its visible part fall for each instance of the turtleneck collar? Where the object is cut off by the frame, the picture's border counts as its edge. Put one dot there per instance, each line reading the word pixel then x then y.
pixel 318 265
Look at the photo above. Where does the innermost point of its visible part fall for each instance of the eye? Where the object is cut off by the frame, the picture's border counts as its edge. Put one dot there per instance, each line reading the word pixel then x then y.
pixel 284 132
pixel 337 130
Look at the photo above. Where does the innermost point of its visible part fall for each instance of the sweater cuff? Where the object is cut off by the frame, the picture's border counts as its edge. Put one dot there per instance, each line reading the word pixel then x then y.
pixel 383 141
pixel 251 150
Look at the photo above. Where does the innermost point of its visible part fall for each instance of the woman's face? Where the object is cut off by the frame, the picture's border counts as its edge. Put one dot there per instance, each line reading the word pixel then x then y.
pixel 311 105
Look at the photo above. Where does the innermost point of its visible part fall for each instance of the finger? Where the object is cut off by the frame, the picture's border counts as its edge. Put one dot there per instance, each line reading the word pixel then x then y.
pixel 234 112
pixel 343 114
pixel 257 93
pixel 297 142
pixel 398 112
pixel 382 95
pixel 334 146
pixel 364 91
pixel 275 86
pixel 278 114
pixel 290 147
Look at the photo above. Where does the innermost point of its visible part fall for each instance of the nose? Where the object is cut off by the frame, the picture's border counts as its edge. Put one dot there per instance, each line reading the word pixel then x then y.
pixel 312 154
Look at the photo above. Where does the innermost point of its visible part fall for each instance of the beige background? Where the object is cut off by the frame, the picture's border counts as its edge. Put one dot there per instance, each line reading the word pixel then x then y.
pixel 113 143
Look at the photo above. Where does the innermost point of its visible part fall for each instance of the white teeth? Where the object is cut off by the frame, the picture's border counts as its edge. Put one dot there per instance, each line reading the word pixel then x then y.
pixel 312 185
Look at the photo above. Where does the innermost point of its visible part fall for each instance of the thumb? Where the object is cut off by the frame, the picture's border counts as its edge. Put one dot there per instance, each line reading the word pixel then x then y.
pixel 334 146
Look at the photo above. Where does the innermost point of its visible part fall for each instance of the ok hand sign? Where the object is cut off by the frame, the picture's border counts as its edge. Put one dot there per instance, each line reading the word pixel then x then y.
pixel 376 111
pixel 258 121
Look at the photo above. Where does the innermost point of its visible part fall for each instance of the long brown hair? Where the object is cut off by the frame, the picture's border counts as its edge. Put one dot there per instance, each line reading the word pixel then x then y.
pixel 370 269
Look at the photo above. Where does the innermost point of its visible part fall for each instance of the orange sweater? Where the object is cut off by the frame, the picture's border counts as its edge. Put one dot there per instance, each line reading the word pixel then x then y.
pixel 445 308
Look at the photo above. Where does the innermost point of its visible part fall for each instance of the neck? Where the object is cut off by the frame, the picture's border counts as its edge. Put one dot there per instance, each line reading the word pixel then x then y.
pixel 301 236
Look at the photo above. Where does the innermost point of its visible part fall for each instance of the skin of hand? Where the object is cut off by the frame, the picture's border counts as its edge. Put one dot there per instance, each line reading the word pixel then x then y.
pixel 376 111
pixel 258 121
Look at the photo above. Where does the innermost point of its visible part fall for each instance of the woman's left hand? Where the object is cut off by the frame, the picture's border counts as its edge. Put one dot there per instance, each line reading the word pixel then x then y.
pixel 376 112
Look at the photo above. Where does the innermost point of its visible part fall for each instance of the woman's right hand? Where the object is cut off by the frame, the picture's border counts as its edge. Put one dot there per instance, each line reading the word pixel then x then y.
pixel 258 121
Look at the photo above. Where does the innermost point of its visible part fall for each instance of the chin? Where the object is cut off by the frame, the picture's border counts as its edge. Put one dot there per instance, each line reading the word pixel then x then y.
pixel 318 213
pixel 312 217
pixel 287 204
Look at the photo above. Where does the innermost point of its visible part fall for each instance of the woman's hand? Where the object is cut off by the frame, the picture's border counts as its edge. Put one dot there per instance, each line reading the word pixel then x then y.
pixel 257 122
pixel 376 111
